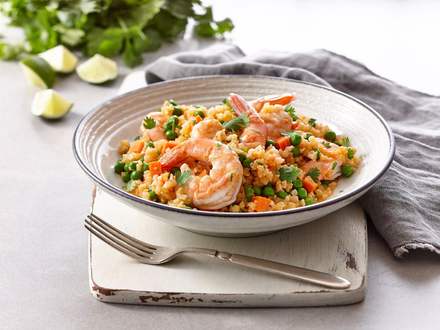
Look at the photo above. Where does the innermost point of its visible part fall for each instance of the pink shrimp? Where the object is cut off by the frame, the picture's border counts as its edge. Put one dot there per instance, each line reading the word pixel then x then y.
pixel 156 133
pixel 283 99
pixel 255 133
pixel 210 191
pixel 207 128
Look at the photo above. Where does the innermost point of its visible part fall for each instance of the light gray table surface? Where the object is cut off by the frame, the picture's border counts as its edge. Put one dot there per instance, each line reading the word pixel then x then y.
pixel 44 195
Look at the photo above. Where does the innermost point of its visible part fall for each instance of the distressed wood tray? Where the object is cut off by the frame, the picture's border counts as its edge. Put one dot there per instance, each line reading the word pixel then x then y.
pixel 336 243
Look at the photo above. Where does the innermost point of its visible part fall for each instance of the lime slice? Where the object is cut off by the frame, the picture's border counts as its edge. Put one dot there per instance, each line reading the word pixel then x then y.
pixel 60 59
pixel 50 104
pixel 98 70
pixel 38 72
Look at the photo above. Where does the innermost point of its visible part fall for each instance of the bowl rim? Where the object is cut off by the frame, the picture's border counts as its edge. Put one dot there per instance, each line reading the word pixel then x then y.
pixel 196 212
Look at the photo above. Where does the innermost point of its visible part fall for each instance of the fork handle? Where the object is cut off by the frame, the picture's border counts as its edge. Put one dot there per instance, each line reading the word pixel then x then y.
pixel 297 273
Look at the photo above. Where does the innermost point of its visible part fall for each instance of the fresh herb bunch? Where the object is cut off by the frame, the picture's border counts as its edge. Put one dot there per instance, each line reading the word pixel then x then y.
pixel 107 27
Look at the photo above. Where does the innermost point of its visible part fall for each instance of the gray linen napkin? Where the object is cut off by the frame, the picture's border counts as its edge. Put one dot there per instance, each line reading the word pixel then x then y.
pixel 404 205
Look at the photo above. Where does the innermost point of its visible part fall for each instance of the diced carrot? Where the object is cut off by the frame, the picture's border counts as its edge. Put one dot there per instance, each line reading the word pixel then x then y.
pixel 261 203
pixel 295 124
pixel 283 142
pixel 309 184
pixel 137 146
pixel 155 168
pixel 198 119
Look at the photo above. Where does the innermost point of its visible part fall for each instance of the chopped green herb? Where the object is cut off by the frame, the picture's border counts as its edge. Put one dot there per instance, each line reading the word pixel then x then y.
pixel 350 153
pixel 183 178
pixel 291 111
pixel 270 142
pixel 288 173
pixel 172 102
pixel 137 137
pixel 312 122
pixel 318 154
pixel 177 111
pixel 149 123
pixel 145 166
pixel 327 145
pixel 199 113
pixel 330 136
pixel 345 141
pixel 326 182
pixel 314 173
pixel 246 162
pixel 347 170
pixel 226 102
pixel 237 123
pixel 175 171
pixel 334 165
pixel 307 136
pixel 150 144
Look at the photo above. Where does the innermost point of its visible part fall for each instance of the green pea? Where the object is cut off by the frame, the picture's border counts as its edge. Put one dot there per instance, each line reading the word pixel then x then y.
pixel 248 192
pixel 132 166
pixel 282 194
pixel 309 200
pixel 136 175
pixel 176 172
pixel 171 135
pixel 145 166
pixel 199 113
pixel 330 136
pixel 257 190
pixel 127 167
pixel 152 195
pixel 177 111
pixel 271 143
pixel 119 167
pixel 126 177
pixel 346 170
pixel 296 151
pixel 302 193
pixel 268 191
pixel 295 139
pixel 350 153
pixel 297 183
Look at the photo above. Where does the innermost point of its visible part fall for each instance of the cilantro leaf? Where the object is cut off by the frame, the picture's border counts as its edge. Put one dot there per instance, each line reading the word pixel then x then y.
pixel 314 173
pixel 149 123
pixel 288 173
pixel 183 177
pixel 237 123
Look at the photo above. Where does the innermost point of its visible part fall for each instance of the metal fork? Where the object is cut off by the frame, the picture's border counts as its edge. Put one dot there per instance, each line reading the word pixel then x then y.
pixel 154 255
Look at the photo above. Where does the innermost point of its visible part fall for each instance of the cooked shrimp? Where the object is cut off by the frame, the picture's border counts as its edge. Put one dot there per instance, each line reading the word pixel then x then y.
pixel 156 133
pixel 255 133
pixel 277 121
pixel 328 170
pixel 206 129
pixel 211 191
pixel 278 99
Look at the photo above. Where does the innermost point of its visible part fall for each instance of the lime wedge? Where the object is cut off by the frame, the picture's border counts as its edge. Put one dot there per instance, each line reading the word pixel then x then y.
pixel 60 59
pixel 98 70
pixel 38 72
pixel 50 104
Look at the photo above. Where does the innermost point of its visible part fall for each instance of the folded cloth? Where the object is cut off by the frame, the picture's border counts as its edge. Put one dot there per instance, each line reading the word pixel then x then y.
pixel 405 204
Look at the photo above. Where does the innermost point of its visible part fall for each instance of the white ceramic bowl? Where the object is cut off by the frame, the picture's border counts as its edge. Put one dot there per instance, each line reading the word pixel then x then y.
pixel 98 134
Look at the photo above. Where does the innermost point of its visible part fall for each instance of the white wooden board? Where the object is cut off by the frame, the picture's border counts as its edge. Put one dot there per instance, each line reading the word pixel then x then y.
pixel 336 244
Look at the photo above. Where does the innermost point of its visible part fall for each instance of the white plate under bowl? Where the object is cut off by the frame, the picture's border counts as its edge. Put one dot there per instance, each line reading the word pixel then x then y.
pixel 97 137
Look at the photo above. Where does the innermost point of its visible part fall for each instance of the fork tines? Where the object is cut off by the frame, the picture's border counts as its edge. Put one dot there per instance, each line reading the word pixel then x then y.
pixel 118 239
